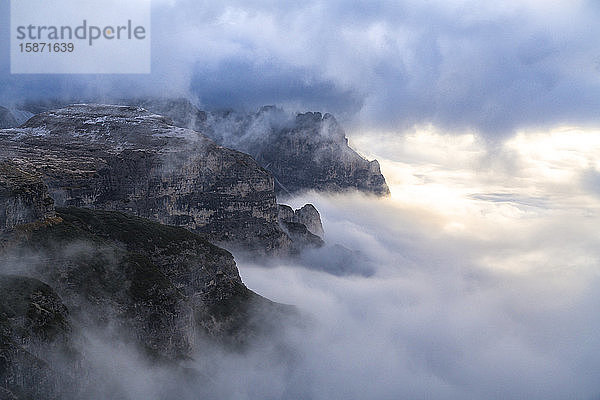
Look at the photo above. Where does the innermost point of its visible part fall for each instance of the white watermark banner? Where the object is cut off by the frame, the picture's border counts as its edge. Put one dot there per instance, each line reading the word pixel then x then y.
pixel 80 37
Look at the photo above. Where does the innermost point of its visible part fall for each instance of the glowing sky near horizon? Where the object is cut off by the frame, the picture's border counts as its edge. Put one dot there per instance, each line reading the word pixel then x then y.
pixel 459 177
pixel 486 278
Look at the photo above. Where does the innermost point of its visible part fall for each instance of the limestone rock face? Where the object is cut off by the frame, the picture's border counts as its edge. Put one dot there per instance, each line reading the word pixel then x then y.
pixel 159 288
pixel 33 320
pixel 307 151
pixel 24 197
pixel 313 153
pixel 127 159
pixel 307 215
pixel 302 226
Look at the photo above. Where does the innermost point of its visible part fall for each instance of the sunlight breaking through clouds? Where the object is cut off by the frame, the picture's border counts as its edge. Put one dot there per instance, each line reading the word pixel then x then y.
pixel 487 274
pixel 460 178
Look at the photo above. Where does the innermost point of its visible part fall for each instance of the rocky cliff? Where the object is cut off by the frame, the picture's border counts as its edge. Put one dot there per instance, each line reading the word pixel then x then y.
pixel 307 151
pixel 306 215
pixel 303 226
pixel 304 152
pixel 127 159
pixel 158 288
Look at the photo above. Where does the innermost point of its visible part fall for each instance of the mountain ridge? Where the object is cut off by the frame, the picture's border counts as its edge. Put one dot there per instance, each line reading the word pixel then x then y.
pixel 303 151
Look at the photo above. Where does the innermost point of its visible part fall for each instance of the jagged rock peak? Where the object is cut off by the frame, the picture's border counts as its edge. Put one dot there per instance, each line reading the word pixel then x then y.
pixel 307 215
pixel 303 226
pixel 306 151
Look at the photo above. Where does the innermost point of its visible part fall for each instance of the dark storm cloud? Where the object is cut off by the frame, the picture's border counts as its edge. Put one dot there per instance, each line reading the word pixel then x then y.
pixel 488 66
pixel 244 85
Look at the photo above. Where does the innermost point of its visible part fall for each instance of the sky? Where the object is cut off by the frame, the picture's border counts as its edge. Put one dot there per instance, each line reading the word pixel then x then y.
pixel 463 66
pixel 482 266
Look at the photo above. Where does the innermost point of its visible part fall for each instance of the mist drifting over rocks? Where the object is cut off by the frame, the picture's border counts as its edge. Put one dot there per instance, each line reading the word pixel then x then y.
pixel 488 294
pixel 87 291
pixel 165 247
pixel 303 150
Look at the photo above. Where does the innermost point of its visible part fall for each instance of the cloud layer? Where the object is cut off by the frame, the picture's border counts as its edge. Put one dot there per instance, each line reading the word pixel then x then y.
pixel 461 65
pixel 445 317
pixel 487 290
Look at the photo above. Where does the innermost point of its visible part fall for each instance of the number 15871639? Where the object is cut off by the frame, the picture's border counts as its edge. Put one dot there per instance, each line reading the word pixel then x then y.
pixel 42 47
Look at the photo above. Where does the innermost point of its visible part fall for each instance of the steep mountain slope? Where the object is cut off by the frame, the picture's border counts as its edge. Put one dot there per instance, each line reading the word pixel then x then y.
pixel 158 288
pixel 127 159
pixel 307 152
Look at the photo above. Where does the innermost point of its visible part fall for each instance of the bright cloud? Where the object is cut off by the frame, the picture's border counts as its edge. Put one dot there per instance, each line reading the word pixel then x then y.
pixel 486 278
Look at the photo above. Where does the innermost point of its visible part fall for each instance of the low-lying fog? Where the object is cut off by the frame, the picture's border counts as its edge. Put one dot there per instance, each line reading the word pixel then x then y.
pixel 477 279
pixel 484 278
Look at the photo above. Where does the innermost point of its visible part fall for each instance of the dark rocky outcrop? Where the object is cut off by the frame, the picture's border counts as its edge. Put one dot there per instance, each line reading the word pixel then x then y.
pixel 302 225
pixel 161 282
pixel 34 324
pixel 302 238
pixel 7 119
pixel 31 312
pixel 307 216
pixel 161 289
pixel 24 197
pixel 127 159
